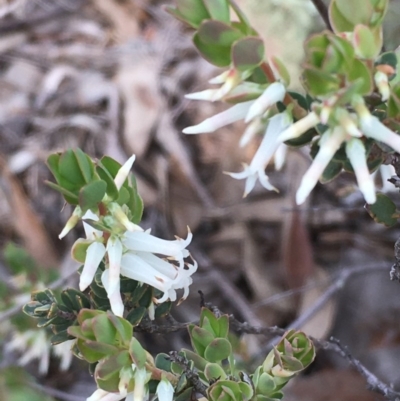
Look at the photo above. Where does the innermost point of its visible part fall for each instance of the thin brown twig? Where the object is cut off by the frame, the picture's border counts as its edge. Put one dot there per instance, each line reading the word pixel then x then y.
pixel 323 12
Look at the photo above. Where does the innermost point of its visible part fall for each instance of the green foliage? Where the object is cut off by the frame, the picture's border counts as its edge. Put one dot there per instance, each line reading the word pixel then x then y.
pixel 384 211
pixel 89 183
pixel 59 315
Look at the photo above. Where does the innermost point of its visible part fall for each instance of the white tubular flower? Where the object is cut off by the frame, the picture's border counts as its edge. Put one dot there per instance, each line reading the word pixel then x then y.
pixel 94 255
pixel 273 94
pixel 268 146
pixel 254 128
pixel 150 269
pixel 233 114
pixel 329 144
pixel 123 172
pixel 299 127
pixel 145 242
pixel 114 294
pixel 347 121
pixel 165 391
pixel 280 156
pixel 382 83
pixel 355 151
pixel 72 222
pixel 101 395
pixel 140 390
pixel 373 128
pixel 230 79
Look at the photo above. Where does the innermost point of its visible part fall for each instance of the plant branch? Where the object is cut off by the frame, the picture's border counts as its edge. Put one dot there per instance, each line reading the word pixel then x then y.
pixel 323 12
pixel 191 374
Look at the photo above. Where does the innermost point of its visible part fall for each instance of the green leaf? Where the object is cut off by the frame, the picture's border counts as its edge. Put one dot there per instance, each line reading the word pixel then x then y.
pixel 85 164
pixel 364 42
pixel 213 371
pixel 216 54
pixel 163 362
pixel 338 20
pixel 193 11
pixel 108 370
pixel 163 309
pixel 199 362
pixel 91 195
pixel 280 69
pixel 331 171
pixel 201 338
pixel 135 203
pixel 320 83
pixel 248 53
pixel 70 169
pixel 217 350
pixel 123 327
pixel 383 211
pixel 137 353
pixel 105 176
pixel 93 351
pixel 60 337
pixel 218 9
pixel 360 75
pixel 69 196
pixel 79 249
pixel 218 33
pixel 103 329
pixel 354 11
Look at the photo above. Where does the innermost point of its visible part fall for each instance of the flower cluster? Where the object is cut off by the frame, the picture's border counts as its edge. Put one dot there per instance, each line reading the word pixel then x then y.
pixel 341 126
pixel 130 251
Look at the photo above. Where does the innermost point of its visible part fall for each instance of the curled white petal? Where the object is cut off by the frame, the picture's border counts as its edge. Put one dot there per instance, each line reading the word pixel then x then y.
pixel 268 146
pixel 329 144
pixel 142 241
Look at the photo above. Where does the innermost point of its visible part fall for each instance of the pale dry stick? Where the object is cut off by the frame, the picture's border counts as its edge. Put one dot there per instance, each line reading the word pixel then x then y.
pixel 337 285
pixel 61 395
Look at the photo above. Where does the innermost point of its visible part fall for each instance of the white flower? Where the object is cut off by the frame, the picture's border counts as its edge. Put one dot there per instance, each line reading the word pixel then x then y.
pixel 233 114
pixel 269 145
pixel 299 127
pixel 123 172
pixel 373 128
pixel 229 80
pixel 94 253
pixel 272 95
pixel 32 344
pixel 139 263
pixel 101 395
pixel 382 83
pixel 355 151
pixel 165 390
pixel 329 143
